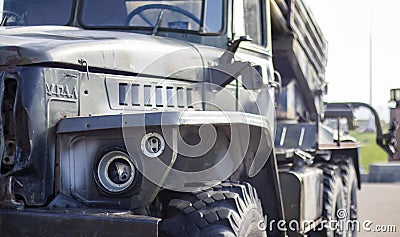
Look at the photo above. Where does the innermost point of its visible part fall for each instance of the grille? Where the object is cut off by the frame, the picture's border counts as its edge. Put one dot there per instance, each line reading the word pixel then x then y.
pixel 134 96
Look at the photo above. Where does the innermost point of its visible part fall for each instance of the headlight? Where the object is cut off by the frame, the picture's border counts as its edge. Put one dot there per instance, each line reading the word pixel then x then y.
pixel 115 172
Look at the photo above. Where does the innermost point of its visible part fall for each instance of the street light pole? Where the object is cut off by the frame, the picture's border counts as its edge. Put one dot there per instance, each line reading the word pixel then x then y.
pixel 370 54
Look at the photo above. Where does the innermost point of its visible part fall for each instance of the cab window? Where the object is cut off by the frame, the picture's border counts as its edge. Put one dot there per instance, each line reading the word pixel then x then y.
pixel 253 20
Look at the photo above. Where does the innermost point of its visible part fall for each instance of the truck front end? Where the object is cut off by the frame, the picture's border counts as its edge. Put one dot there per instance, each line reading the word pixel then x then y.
pixel 102 125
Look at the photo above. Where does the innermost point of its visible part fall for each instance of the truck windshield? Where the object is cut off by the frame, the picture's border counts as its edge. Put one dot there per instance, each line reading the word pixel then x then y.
pixel 183 15
pixel 36 12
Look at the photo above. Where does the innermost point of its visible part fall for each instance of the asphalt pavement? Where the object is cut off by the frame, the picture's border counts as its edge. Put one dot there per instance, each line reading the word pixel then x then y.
pixel 379 210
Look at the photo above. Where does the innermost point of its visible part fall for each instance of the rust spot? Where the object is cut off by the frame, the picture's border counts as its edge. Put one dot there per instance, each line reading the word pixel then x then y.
pixel 11 57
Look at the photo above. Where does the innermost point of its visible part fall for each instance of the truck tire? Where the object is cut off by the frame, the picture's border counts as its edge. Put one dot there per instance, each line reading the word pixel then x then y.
pixel 229 209
pixel 333 202
pixel 349 180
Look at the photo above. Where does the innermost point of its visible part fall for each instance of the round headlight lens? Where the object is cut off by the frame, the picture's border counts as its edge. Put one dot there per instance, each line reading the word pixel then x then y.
pixel 115 171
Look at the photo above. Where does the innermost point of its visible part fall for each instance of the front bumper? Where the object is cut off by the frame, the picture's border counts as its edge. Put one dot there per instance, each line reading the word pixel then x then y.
pixel 68 222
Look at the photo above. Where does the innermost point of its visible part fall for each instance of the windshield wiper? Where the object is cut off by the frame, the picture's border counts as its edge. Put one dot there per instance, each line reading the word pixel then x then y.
pixel 157 25
pixel 4 21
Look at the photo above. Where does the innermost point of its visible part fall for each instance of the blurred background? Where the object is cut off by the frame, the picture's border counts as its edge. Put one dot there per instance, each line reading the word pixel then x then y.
pixel 363 60
pixel 363 66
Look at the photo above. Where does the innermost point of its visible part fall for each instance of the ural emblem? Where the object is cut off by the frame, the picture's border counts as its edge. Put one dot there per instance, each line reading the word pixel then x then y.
pixel 61 91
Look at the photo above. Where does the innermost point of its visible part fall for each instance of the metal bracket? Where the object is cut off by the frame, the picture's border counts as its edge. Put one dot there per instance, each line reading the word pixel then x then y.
pixel 9 201
pixel 302 159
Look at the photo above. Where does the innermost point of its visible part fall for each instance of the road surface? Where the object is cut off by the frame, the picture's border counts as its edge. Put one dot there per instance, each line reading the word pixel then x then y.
pixel 379 210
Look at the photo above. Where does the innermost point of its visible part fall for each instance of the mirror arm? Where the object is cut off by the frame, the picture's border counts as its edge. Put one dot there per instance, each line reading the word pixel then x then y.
pixel 233 45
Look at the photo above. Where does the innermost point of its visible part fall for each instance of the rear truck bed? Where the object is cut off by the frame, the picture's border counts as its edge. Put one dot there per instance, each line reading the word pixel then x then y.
pixel 299 51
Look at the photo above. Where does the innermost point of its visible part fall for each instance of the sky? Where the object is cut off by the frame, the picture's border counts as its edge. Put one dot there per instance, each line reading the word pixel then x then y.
pixel 346 25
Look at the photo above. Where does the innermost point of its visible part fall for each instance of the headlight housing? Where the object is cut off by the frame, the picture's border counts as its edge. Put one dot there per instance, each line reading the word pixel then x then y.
pixel 115 171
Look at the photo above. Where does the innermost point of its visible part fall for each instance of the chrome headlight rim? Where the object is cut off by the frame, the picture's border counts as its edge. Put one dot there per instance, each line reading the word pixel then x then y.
pixel 101 171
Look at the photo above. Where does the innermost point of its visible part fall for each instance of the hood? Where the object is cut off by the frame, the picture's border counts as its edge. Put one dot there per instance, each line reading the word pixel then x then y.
pixel 122 51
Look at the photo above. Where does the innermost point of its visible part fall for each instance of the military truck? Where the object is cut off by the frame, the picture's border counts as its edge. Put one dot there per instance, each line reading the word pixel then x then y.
pixel 157 118
pixel 394 105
